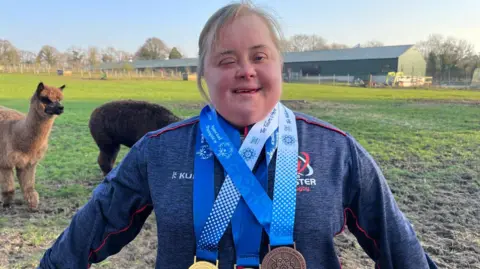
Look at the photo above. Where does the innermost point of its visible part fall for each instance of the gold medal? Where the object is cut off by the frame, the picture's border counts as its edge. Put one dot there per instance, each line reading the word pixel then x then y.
pixel 284 257
pixel 203 265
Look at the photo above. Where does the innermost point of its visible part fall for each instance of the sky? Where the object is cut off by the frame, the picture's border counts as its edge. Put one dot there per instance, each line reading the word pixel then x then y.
pixel 126 24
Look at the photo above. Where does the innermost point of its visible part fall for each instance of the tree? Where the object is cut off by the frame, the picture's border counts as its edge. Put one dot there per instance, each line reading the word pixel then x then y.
pixel 335 46
pixel 153 48
pixel 285 45
pixel 432 64
pixel 371 44
pixel 109 55
pixel 75 56
pixel 302 42
pixel 48 54
pixel 123 56
pixel 9 55
pixel 448 56
pixel 433 43
pixel 175 54
pixel 93 56
pixel 27 57
pixel 62 59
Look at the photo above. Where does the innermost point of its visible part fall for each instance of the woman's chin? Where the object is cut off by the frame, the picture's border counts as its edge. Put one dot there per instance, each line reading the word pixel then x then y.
pixel 244 117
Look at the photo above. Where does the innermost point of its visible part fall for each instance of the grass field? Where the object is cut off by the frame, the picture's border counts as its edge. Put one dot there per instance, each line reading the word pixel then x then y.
pixel 427 143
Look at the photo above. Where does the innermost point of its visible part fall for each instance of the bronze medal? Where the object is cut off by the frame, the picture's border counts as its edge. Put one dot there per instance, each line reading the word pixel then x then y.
pixel 203 265
pixel 284 257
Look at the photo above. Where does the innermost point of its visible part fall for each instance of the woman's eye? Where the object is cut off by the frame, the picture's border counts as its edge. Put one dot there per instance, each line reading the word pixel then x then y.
pixel 260 57
pixel 227 61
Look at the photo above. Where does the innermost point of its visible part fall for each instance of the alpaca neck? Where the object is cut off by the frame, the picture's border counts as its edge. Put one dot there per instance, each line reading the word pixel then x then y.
pixel 36 130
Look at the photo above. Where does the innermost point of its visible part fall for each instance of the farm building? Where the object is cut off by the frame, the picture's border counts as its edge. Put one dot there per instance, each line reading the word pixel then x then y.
pixel 355 62
pixel 177 65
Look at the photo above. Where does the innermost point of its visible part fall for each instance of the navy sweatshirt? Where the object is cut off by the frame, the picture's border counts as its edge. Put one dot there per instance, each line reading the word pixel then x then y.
pixel 339 184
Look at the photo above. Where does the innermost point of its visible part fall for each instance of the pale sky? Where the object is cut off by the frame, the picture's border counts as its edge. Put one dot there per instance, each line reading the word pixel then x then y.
pixel 127 24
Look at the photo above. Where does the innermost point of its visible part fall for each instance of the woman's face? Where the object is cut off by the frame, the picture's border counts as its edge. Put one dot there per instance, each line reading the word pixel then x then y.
pixel 243 71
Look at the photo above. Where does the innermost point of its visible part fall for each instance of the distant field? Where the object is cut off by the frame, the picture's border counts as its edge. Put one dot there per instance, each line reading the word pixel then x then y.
pixel 20 86
pixel 427 143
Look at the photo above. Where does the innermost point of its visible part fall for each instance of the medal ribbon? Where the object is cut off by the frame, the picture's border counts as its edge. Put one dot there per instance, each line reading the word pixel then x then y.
pixel 277 217
pixel 246 230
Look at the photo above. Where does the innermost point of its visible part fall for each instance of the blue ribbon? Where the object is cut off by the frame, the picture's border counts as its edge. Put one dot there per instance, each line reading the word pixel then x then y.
pixel 281 214
pixel 276 218
pixel 247 232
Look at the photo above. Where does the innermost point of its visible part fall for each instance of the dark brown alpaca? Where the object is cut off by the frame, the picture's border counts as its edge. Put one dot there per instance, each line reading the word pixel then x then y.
pixel 24 141
pixel 124 122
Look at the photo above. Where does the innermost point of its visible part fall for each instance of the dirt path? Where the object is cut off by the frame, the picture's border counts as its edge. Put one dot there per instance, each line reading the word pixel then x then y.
pixel 448 222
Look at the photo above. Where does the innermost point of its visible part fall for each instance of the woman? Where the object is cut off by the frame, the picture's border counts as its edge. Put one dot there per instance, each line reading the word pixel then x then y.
pixel 207 188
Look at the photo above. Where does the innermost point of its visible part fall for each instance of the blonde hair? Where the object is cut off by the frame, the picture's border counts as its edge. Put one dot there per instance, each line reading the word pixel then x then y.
pixel 226 14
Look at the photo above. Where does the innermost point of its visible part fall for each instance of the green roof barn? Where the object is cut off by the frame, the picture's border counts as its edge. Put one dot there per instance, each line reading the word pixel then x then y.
pixel 357 61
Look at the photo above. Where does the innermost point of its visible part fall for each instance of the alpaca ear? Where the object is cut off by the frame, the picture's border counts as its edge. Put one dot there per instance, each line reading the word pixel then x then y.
pixel 40 87
pixel 62 87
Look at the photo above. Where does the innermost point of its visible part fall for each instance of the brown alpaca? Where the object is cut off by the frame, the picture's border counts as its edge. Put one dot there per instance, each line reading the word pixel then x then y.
pixel 24 141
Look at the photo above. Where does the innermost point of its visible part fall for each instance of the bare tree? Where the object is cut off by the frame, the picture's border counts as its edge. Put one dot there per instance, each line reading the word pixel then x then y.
pixel 335 46
pixel 285 45
pixel 153 48
pixel 468 65
pixel 63 59
pixel 76 56
pixel 27 57
pixel 371 44
pixel 302 42
pixel 93 56
pixel 316 42
pixel 123 56
pixel 108 54
pixel 432 44
pixel 448 56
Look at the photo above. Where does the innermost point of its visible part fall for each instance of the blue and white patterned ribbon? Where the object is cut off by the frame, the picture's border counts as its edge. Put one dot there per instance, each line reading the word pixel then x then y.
pixel 277 217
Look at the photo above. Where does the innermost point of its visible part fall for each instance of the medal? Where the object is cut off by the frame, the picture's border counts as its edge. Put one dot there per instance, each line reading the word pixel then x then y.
pixel 276 216
pixel 284 257
pixel 203 265
pixel 212 216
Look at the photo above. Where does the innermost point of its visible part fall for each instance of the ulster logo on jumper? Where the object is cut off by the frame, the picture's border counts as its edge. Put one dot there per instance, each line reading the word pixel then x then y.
pixel 305 181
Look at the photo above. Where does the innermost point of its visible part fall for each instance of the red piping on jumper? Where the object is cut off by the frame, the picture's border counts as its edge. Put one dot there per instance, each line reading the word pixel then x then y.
pixel 359 228
pixel 144 207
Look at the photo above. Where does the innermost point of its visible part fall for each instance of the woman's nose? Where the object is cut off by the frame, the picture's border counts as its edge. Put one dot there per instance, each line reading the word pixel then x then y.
pixel 246 71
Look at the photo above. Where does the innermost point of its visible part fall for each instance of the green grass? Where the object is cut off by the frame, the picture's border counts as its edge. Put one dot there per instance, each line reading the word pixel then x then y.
pixel 16 86
pixel 396 130
pixel 425 141
pixel 386 121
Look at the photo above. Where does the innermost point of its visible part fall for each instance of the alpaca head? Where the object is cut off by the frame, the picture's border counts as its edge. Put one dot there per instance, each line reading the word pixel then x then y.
pixel 47 100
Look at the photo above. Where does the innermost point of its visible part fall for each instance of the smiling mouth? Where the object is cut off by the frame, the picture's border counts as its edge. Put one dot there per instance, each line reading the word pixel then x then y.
pixel 246 91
